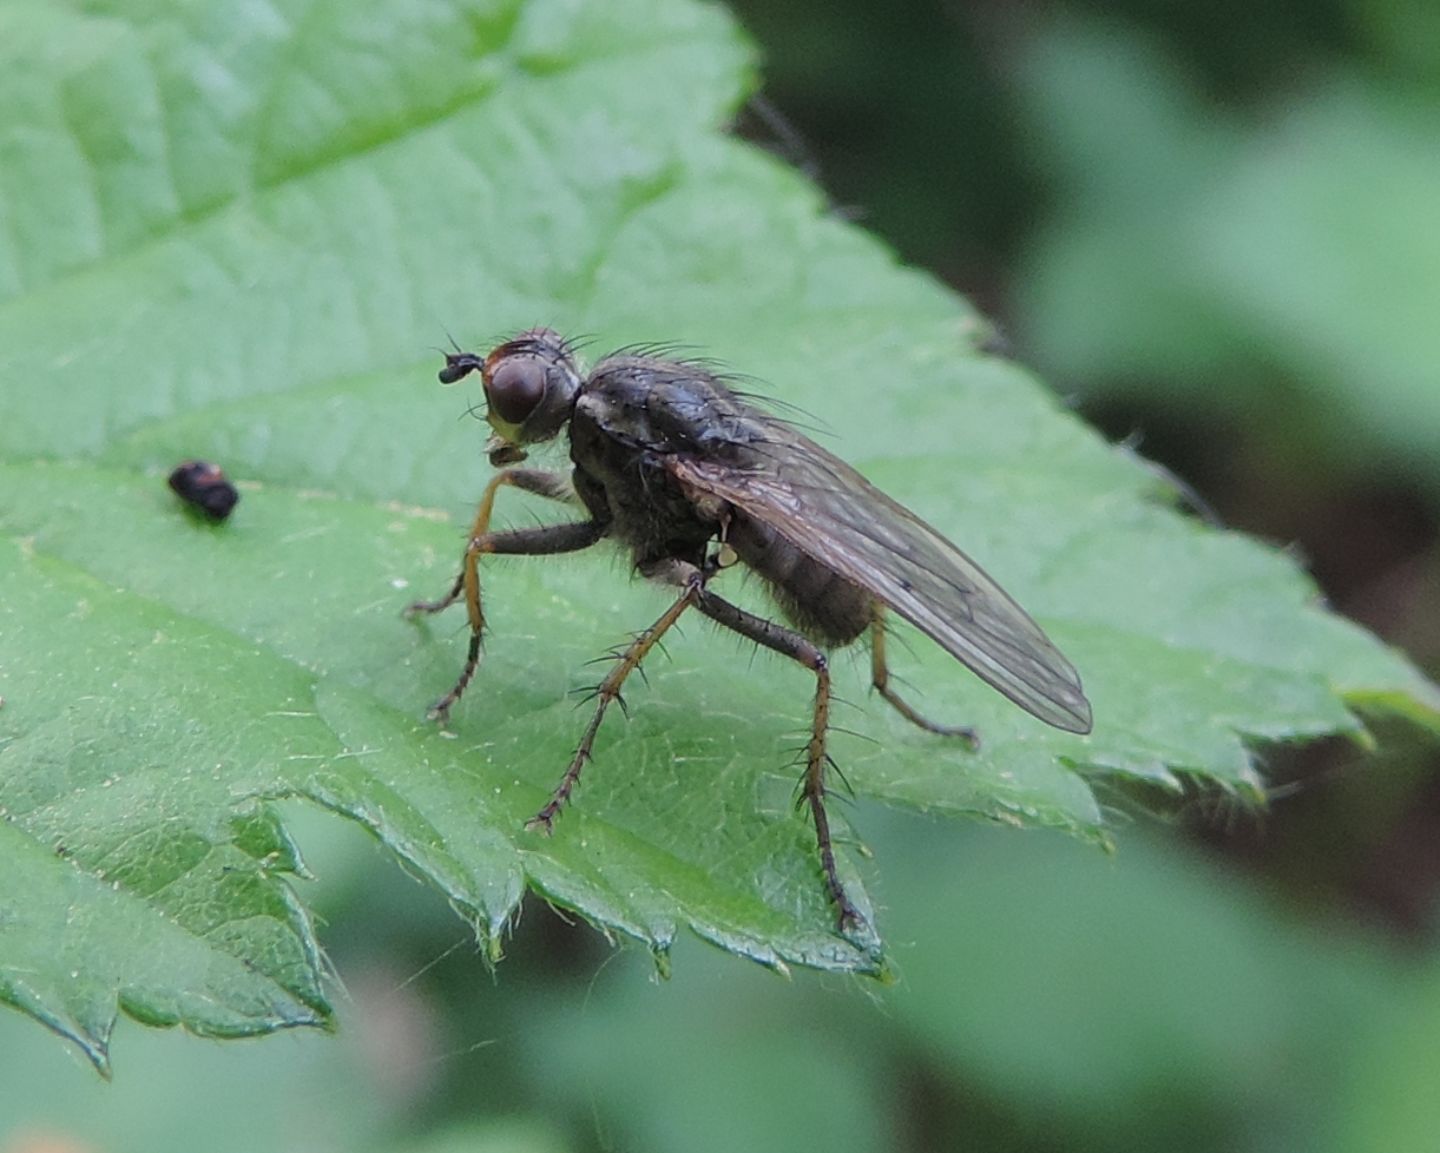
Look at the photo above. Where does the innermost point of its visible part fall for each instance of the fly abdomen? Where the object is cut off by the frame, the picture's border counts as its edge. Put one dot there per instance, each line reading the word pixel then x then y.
pixel 822 603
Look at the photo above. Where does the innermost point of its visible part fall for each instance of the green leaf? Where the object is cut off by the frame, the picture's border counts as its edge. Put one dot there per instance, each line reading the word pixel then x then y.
pixel 234 233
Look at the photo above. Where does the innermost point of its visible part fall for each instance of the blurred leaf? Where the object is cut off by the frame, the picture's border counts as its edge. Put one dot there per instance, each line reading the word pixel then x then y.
pixel 792 1054
pixel 1152 999
pixel 175 1094
pixel 1197 251
pixel 1408 31
pixel 1389 1101
pixel 237 233
pixel 1149 1000
pixel 529 1136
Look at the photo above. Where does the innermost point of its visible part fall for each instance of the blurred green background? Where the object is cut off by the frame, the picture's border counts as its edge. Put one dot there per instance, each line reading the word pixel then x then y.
pixel 1217 229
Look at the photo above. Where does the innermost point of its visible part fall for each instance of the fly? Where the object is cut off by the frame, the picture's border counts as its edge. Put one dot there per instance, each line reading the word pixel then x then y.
pixel 692 478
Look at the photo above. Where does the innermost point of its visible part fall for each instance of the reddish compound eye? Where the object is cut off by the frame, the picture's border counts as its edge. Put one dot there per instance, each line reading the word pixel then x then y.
pixel 515 389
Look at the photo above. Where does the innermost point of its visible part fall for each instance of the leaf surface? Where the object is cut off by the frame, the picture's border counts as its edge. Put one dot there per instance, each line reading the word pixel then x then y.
pixel 235 232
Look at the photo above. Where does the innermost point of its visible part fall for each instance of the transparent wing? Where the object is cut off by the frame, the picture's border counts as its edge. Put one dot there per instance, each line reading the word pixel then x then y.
pixel 826 509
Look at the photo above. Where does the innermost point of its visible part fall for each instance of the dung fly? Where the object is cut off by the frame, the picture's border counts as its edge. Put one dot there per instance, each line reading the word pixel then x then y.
pixel 691 478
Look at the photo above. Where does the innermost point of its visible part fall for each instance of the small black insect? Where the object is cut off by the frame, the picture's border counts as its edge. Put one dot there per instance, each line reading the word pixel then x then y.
pixel 691 478
pixel 203 486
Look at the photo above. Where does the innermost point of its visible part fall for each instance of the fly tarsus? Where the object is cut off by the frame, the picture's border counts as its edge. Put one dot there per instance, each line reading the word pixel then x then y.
pixel 920 720
pixel 545 540
pixel 816 758
pixel 880 679
pixel 555 486
pixel 422 608
pixel 440 710
pixel 608 690
pixel 789 643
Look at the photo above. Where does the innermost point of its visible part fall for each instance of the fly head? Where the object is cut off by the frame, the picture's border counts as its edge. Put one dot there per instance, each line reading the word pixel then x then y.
pixel 531 384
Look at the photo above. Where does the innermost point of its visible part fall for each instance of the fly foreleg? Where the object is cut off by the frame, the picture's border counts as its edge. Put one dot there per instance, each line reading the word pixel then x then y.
pixel 543 541
pixel 552 485
pixel 791 644
pixel 880 678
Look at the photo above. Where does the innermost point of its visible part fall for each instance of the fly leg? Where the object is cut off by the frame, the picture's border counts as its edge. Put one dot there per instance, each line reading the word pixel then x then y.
pixel 531 542
pixel 880 678
pixel 547 484
pixel 609 690
pixel 543 541
pixel 791 644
